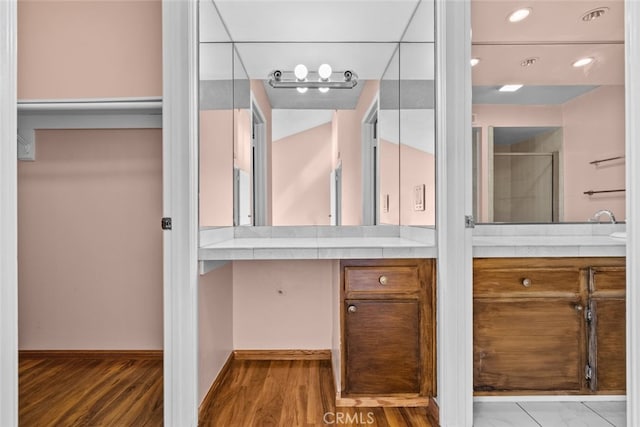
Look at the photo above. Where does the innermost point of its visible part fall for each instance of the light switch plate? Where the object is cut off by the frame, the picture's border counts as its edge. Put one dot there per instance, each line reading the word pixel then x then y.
pixel 418 197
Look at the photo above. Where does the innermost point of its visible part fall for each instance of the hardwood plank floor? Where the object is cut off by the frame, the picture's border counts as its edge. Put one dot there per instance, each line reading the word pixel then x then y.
pixel 292 393
pixel 90 392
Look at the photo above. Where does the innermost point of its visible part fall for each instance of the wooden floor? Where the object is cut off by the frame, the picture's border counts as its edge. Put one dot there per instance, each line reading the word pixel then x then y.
pixel 297 393
pixel 66 392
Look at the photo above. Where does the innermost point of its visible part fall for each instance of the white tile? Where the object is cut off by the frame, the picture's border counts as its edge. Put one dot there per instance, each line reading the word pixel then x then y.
pixel 500 415
pixel 614 412
pixel 563 414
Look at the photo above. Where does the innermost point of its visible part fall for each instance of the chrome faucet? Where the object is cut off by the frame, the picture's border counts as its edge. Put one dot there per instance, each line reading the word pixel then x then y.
pixel 597 215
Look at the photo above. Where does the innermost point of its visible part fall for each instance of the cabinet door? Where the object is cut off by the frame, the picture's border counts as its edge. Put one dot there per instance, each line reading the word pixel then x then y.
pixel 607 351
pixel 528 344
pixel 382 346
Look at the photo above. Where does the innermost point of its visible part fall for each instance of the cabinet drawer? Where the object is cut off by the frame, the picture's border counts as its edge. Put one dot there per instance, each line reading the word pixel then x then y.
pixel 381 279
pixel 608 279
pixel 525 281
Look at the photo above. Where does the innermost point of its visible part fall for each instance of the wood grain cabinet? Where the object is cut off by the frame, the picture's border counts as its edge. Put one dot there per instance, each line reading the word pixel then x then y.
pixel 388 328
pixel 549 325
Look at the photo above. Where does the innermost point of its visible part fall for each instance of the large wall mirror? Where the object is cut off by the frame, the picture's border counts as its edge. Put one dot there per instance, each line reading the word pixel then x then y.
pixel 317 113
pixel 548 110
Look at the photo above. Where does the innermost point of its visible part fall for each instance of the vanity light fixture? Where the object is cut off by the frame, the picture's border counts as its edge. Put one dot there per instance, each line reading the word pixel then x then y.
pixel 475 61
pixel 510 88
pixel 594 14
pixel 583 62
pixel 303 79
pixel 519 15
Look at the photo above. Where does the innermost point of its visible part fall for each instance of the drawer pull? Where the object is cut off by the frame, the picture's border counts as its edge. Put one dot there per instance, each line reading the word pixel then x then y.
pixel 383 280
pixel 526 282
pixel 352 309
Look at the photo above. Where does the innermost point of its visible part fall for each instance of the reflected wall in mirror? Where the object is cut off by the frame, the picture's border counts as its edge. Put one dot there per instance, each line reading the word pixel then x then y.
pixel 537 148
pixel 357 152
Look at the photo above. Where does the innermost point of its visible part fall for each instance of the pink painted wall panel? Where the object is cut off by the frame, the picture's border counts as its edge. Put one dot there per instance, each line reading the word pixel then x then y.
pixel 90 243
pixel 389 182
pixel 216 168
pixel 215 325
pixel 594 128
pixel 418 167
pixel 282 304
pixel 301 169
pixel 89 49
pixel 350 149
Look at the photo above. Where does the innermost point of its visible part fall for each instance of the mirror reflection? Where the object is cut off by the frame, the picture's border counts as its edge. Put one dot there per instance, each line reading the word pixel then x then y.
pixel 548 111
pixel 317 132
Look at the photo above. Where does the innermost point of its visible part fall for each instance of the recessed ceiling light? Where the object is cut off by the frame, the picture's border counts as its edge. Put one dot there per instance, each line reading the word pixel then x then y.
pixel 510 88
pixel 582 62
pixel 519 15
pixel 474 61
pixel 594 14
pixel 527 62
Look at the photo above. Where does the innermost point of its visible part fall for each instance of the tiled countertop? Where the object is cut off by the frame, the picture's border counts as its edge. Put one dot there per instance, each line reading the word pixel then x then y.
pixel 263 243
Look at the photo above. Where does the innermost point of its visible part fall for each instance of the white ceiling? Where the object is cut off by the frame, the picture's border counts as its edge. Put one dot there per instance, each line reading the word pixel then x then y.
pixel 316 21
pixel 289 122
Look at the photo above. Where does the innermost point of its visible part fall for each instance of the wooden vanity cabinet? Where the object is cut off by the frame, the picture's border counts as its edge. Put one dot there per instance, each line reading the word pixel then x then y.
pixel 388 329
pixel 548 326
pixel 607 334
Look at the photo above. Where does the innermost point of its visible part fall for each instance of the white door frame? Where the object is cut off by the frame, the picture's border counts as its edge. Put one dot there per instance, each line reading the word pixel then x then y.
pixel 632 120
pixel 8 215
pixel 370 171
pixel 260 163
pixel 453 192
pixel 180 202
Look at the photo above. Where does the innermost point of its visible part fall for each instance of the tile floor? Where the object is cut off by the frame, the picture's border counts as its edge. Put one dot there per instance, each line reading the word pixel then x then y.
pixel 549 414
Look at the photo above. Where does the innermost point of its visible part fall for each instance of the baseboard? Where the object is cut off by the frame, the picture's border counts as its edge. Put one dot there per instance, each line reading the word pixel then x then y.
pixel 282 354
pixel 217 383
pixel 91 354
pixel 408 401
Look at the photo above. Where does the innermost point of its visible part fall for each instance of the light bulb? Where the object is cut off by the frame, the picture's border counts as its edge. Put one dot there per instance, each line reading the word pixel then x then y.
pixel 519 14
pixel 323 89
pixel 325 71
pixel 300 71
pixel 302 89
pixel 583 62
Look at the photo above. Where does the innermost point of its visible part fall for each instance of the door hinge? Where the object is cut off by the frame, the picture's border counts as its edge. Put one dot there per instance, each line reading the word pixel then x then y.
pixel 588 372
pixel 469 222
pixel 166 223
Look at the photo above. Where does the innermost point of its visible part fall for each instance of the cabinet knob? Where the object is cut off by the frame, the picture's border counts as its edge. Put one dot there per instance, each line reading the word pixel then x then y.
pixel 526 282
pixel 352 309
pixel 383 280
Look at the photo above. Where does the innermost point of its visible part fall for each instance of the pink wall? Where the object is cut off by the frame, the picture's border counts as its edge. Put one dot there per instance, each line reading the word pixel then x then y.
pixel 90 247
pixel 594 128
pixel 216 168
pixel 418 167
pixel 215 325
pixel 301 168
pixel 242 140
pixel 389 181
pixel 282 304
pixel 350 151
pixel 89 49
